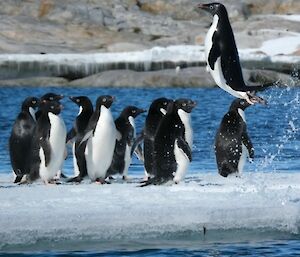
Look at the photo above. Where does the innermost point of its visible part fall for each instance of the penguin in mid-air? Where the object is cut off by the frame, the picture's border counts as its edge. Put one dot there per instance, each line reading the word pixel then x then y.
pixel 101 135
pixel 222 57
pixel 48 143
pixel 76 134
pixel 20 140
pixel 125 125
pixel 157 110
pixel 232 143
pixel 172 152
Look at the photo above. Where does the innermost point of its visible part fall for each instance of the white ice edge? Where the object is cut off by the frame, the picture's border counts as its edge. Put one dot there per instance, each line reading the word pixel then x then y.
pixel 264 201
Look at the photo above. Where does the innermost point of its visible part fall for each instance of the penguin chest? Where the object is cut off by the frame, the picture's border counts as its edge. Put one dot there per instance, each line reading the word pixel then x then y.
pixel 208 43
pixel 186 120
pixel 127 159
pixel 182 163
pixel 100 147
pixel 57 138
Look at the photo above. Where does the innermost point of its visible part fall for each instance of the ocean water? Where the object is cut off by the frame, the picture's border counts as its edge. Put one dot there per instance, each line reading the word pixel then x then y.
pixel 258 214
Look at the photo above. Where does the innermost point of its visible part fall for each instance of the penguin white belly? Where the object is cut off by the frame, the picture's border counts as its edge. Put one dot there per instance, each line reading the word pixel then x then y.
pixel 208 39
pixel 75 165
pixel 243 159
pixel 186 120
pixel 182 163
pixel 127 159
pixel 57 139
pixel 100 147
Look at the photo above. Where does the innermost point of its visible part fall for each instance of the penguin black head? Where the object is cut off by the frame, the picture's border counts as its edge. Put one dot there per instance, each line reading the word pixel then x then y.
pixel 239 104
pixel 81 101
pixel 160 105
pixel 105 100
pixel 132 111
pixel 51 106
pixel 186 105
pixel 32 102
pixel 213 8
pixel 51 97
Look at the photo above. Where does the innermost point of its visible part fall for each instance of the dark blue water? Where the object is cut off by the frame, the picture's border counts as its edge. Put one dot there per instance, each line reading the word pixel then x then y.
pixel 274 130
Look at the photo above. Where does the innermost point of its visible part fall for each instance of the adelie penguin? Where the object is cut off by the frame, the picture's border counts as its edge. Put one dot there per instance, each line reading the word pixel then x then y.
pixel 125 125
pixel 48 143
pixel 49 97
pixel 157 110
pixel 76 134
pixel 232 143
pixel 101 135
pixel 172 153
pixel 20 140
pixel 222 56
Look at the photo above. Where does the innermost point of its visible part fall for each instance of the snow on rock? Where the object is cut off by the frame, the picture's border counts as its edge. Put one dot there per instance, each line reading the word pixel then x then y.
pixel 264 201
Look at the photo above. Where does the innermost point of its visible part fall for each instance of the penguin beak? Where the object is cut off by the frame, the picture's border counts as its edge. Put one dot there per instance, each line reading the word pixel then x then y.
pixel 202 6
pixel 72 98
pixel 255 99
pixel 141 111
pixel 59 97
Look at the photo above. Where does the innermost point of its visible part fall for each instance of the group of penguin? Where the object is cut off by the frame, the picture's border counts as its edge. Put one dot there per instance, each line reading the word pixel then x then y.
pixel 103 147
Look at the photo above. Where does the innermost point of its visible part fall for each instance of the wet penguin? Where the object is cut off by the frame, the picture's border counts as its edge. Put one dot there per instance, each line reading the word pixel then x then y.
pixel 222 56
pixel 232 143
pixel 157 110
pixel 20 140
pixel 101 135
pixel 48 143
pixel 184 109
pixel 171 150
pixel 125 125
pixel 76 134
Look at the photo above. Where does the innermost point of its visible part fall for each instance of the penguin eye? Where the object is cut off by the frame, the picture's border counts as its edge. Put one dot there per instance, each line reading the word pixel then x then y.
pixel 134 111
pixel 34 102
pixel 242 102
pixel 164 103
pixel 52 107
pixel 183 104
pixel 51 98
pixel 104 100
pixel 77 100
pixel 211 7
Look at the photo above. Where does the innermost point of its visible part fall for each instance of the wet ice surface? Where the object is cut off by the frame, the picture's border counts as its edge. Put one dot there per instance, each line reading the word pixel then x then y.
pixel 256 204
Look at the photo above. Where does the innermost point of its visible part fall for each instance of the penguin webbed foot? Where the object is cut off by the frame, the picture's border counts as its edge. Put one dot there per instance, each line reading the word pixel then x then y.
pixel 101 181
pixel 156 181
pixel 252 98
pixel 77 179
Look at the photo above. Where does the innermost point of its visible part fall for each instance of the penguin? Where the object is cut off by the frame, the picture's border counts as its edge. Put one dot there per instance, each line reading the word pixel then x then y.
pixel 101 135
pixel 48 97
pixel 77 134
pixel 184 109
pixel 48 143
pixel 20 140
pixel 171 150
pixel 232 143
pixel 222 56
pixel 156 112
pixel 125 125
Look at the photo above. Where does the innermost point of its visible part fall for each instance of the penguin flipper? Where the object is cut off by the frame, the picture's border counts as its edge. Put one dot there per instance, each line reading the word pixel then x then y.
pixel 247 142
pixel 86 136
pixel 214 52
pixel 184 146
pixel 47 150
pixel 137 142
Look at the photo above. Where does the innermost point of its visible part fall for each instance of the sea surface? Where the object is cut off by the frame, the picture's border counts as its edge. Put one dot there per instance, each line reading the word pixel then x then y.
pixel 275 133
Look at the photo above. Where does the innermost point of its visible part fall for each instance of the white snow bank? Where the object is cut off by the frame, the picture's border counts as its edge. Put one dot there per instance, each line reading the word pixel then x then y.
pixel 258 201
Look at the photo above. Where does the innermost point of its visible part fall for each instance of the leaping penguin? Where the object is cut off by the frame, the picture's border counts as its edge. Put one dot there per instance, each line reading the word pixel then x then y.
pixel 232 143
pixel 222 57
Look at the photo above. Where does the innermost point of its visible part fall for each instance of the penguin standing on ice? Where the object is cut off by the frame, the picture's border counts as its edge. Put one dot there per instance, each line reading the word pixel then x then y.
pixel 20 140
pixel 172 152
pixel 77 134
pixel 222 56
pixel 125 125
pixel 48 143
pixel 101 135
pixel 232 143
pixel 157 110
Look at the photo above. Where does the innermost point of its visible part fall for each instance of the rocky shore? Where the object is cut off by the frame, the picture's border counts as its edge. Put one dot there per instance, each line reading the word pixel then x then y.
pixel 269 29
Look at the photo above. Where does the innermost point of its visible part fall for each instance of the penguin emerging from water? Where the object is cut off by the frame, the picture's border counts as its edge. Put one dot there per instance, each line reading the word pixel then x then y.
pixel 77 133
pixel 157 110
pixel 48 143
pixel 232 143
pixel 125 125
pixel 222 56
pixel 20 140
pixel 172 152
pixel 101 135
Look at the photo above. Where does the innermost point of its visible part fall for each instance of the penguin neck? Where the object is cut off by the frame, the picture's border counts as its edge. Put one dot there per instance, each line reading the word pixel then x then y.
pixel 242 114
pixel 32 113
